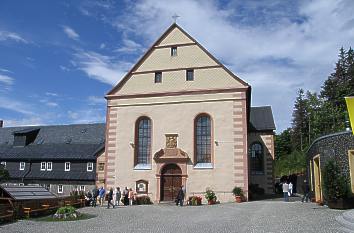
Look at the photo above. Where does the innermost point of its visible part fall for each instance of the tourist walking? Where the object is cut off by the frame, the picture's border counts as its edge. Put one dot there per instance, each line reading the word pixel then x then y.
pixel 94 196
pixel 290 189
pixel 110 198
pixel 131 196
pixel 286 191
pixel 101 194
pixel 180 196
pixel 118 195
pixel 125 196
pixel 306 188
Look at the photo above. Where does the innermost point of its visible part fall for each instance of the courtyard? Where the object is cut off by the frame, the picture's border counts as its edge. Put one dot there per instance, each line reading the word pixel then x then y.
pixel 258 216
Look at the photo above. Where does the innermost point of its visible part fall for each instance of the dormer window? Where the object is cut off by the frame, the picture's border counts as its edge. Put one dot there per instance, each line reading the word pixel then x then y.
pixel 25 136
pixel 158 77
pixel 173 51
pixel 22 166
pixel 67 166
pixel 89 166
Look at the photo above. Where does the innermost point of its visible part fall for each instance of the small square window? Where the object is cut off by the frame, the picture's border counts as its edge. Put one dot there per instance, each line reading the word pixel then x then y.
pixel 22 166
pixel 90 167
pixel 67 166
pixel 49 166
pixel 158 77
pixel 101 166
pixel 173 51
pixel 190 75
pixel 82 188
pixel 3 163
pixel 43 166
pixel 60 188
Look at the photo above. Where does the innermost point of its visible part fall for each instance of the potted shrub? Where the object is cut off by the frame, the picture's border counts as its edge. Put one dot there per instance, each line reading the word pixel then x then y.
pixel 335 187
pixel 210 196
pixel 195 200
pixel 238 193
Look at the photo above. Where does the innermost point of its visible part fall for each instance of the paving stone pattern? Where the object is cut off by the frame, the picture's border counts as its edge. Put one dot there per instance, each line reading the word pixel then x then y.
pixel 259 216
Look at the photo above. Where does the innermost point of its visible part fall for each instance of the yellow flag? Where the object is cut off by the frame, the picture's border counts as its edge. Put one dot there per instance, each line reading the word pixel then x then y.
pixel 350 106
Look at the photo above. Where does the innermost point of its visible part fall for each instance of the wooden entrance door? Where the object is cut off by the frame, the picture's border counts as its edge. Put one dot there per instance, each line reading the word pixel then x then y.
pixel 171 181
pixel 317 176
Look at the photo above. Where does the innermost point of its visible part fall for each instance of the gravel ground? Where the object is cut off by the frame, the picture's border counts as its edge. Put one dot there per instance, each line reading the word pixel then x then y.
pixel 258 216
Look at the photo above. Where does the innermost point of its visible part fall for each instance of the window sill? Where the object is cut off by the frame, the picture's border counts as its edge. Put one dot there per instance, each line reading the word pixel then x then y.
pixel 143 167
pixel 203 166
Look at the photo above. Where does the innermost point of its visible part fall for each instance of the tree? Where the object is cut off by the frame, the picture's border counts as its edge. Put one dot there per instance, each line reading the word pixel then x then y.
pixel 283 144
pixel 4 174
pixel 300 122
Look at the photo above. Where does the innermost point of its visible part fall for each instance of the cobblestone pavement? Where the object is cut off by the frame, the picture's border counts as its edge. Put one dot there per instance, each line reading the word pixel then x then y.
pixel 259 216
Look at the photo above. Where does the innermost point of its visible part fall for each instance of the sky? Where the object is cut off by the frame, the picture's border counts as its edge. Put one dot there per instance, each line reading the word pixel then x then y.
pixel 59 58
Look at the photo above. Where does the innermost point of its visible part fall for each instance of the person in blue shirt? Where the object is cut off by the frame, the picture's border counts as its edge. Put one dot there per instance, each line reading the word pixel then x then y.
pixel 101 194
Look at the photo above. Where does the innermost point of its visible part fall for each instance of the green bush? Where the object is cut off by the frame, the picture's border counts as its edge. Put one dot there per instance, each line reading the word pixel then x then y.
pixel 66 210
pixel 210 195
pixel 237 191
pixel 143 200
pixel 334 183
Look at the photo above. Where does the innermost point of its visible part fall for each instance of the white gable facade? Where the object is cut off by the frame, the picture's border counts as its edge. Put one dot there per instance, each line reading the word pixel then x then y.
pixel 179 117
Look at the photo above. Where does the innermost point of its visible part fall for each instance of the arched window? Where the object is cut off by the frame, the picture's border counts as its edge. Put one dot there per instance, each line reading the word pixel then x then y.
pixel 143 141
pixel 202 139
pixel 256 158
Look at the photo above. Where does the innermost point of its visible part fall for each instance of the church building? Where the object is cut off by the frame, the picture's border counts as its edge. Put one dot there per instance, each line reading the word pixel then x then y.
pixel 180 117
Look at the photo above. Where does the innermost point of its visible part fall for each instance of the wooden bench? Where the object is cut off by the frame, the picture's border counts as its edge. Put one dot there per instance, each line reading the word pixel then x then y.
pixel 45 207
pixel 6 209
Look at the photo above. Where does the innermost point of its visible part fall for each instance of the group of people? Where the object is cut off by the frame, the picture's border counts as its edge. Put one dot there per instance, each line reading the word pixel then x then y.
pixel 288 191
pixel 113 196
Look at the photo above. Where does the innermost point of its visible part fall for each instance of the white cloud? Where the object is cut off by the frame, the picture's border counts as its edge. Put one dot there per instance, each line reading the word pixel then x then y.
pixel 5 70
pixel 7 80
pixel 96 100
pixel 129 46
pixel 5 35
pixel 16 106
pixel 51 94
pixel 102 45
pixel 275 47
pixel 86 116
pixel 70 32
pixel 28 121
pixel 48 103
pixel 100 67
pixel 64 68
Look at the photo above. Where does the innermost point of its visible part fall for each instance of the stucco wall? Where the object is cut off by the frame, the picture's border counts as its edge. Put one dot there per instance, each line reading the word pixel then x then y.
pixel 266 180
pixel 175 37
pixel 178 118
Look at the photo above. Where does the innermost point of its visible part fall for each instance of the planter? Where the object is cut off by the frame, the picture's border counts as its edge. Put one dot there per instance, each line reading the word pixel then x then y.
pixel 211 202
pixel 238 199
pixel 342 204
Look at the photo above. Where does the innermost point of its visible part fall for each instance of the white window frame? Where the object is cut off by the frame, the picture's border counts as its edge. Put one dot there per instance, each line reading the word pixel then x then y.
pixel 67 169
pixel 88 166
pixel 22 167
pixel 3 163
pixel 82 188
pixel 51 166
pixel 60 188
pixel 45 166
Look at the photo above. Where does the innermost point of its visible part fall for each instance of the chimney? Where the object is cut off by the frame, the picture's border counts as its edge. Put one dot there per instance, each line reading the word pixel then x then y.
pixel 1 123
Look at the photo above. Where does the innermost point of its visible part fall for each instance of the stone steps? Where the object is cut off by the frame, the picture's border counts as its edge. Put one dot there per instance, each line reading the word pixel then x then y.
pixel 346 220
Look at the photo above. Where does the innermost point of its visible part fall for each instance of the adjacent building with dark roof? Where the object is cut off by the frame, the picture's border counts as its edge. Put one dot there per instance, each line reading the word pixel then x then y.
pixel 61 158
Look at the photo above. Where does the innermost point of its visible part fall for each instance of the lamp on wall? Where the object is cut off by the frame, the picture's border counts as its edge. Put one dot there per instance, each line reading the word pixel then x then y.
pixel 216 143
pixel 132 144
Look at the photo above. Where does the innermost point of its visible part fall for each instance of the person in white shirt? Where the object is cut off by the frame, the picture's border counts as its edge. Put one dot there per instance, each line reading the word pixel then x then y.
pixel 285 191
pixel 290 189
